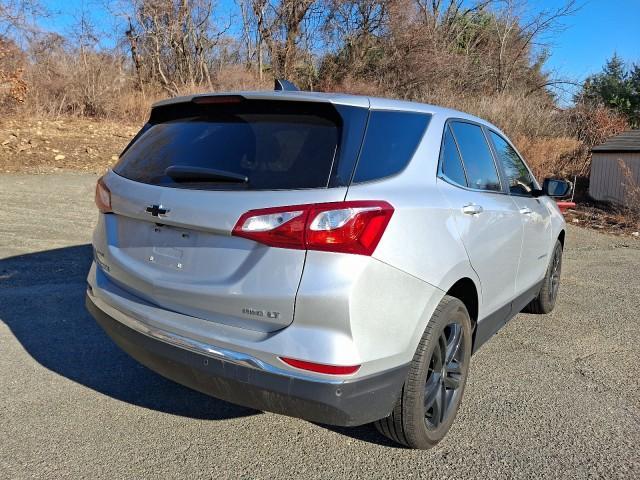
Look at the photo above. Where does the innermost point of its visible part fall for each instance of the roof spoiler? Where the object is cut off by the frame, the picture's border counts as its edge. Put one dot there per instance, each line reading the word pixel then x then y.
pixel 284 85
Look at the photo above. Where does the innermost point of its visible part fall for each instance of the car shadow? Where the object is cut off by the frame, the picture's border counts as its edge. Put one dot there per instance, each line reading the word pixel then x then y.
pixel 365 433
pixel 42 302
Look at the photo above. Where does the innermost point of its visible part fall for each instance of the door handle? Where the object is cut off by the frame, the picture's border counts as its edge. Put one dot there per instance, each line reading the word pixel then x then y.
pixel 472 209
pixel 526 211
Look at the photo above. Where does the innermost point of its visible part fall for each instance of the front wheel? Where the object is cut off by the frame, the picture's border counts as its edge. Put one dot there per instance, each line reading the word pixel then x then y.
pixel 437 376
pixel 546 298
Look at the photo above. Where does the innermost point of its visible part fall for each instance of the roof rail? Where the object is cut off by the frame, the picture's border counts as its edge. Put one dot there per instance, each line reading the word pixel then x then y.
pixel 286 85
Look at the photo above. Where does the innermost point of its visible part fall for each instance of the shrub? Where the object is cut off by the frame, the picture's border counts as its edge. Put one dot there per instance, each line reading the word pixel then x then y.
pixel 591 126
pixel 631 191
pixel 13 88
pixel 550 157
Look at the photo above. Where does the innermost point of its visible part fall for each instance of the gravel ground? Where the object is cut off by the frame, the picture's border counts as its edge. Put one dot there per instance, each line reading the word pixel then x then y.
pixel 550 396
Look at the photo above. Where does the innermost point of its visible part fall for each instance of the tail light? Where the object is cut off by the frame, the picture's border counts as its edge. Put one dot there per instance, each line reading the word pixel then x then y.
pixel 347 227
pixel 103 197
pixel 321 367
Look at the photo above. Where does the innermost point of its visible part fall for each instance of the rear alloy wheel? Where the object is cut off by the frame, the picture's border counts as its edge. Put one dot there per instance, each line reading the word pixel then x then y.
pixel 546 298
pixel 443 380
pixel 437 375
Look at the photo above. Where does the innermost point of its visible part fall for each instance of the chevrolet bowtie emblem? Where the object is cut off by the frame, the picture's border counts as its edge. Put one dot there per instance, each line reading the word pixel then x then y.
pixel 157 210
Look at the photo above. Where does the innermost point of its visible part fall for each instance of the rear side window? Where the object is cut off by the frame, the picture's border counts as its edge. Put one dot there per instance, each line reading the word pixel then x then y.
pixel 450 160
pixel 520 180
pixel 476 156
pixel 274 145
pixel 389 144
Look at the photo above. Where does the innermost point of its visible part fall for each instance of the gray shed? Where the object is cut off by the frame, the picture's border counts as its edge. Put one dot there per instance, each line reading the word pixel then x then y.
pixel 609 181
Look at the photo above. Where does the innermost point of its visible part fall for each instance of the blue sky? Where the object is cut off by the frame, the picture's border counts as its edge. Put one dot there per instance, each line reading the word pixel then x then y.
pixel 593 33
pixel 588 38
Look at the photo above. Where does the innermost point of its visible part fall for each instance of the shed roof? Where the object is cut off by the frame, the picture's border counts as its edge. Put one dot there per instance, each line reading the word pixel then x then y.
pixel 625 142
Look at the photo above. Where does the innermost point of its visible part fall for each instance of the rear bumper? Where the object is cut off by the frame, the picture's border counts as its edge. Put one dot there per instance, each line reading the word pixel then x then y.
pixel 236 379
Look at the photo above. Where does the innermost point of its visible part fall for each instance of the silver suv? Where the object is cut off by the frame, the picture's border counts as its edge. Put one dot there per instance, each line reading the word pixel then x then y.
pixel 330 257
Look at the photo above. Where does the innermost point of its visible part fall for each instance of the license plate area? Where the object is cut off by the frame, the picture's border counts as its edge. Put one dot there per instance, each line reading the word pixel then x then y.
pixel 170 246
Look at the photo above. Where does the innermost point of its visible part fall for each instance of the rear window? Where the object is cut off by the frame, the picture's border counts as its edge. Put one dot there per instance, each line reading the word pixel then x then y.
pixel 274 145
pixel 390 142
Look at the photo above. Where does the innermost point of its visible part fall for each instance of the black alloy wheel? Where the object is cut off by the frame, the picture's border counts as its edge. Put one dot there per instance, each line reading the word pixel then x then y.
pixel 433 389
pixel 445 374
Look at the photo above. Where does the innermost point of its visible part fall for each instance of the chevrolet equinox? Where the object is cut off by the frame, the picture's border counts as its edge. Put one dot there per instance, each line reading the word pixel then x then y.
pixel 330 257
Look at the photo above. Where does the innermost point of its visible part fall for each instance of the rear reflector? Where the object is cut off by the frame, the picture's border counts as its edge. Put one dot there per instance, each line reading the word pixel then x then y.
pixel 321 367
pixel 347 227
pixel 103 197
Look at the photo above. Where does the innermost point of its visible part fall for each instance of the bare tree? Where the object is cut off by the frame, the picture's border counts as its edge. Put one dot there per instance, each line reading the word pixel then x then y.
pixel 356 24
pixel 280 25
pixel 249 36
pixel 133 40
pixel 516 39
pixel 21 17
pixel 172 42
pixel 414 48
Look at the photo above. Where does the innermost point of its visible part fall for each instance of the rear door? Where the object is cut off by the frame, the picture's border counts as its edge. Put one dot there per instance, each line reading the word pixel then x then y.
pixel 488 220
pixel 178 191
pixel 535 217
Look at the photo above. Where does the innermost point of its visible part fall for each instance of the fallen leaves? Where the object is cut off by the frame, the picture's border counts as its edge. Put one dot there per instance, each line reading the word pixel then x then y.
pixel 604 218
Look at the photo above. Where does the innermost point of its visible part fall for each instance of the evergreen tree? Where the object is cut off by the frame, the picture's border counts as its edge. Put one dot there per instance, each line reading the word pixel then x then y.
pixel 615 87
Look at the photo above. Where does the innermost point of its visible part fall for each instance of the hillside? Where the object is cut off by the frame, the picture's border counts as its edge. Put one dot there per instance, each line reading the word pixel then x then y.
pixel 45 146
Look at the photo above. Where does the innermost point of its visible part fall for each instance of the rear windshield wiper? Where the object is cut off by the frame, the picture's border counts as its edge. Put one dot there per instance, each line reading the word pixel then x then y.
pixel 181 173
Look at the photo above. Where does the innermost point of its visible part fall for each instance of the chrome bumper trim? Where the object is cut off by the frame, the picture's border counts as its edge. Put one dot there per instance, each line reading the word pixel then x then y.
pixel 206 349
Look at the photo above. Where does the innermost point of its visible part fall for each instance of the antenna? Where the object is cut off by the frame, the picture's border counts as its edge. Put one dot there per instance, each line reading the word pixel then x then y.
pixel 284 85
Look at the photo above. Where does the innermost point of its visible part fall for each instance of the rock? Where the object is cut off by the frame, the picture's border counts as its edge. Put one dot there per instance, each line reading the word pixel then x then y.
pixel 55 151
pixel 114 157
pixel 59 157
pixel 575 220
pixel 636 234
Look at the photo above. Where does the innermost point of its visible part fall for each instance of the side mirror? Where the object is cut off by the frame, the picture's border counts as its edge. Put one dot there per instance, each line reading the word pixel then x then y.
pixel 556 188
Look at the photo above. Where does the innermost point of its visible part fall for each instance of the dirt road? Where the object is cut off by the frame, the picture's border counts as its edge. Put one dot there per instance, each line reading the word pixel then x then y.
pixel 550 396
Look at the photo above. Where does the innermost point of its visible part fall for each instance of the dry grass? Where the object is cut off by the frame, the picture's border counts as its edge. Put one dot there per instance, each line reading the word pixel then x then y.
pixel 238 78
pixel 56 92
pixel 550 157
pixel 515 114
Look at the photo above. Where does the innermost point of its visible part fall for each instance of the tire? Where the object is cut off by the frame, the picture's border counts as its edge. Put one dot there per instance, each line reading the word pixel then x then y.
pixel 546 298
pixel 417 421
